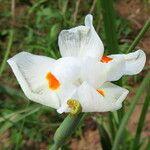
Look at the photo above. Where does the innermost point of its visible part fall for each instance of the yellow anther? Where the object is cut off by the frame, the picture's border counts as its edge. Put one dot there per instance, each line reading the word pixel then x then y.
pixel 75 106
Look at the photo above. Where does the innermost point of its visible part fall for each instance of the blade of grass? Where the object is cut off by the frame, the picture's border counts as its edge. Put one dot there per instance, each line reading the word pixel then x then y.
pixel 145 82
pixel 111 124
pixel 141 121
pixel 11 115
pixel 109 26
pixel 10 41
pixel 17 117
pixel 37 4
pixel 148 145
pixel 76 11
pixel 11 92
pixel 20 131
pixel 139 36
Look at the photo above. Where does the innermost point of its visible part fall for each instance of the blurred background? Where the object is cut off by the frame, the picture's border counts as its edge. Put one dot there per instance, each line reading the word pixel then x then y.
pixel 33 26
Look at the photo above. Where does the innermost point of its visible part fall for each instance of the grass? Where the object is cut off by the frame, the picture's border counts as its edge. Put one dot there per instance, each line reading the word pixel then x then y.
pixel 34 26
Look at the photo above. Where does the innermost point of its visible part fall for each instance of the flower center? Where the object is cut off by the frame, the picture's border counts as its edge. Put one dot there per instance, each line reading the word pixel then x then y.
pixel 53 83
pixel 105 59
pixel 101 92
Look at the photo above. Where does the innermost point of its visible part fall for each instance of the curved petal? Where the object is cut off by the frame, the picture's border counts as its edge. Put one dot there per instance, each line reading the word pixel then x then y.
pixel 30 71
pixel 93 101
pixel 81 41
pixel 134 62
pixel 114 94
pixel 93 72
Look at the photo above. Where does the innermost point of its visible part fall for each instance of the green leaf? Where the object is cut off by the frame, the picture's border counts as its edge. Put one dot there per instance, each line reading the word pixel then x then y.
pixel 109 26
pixel 104 138
pixel 136 141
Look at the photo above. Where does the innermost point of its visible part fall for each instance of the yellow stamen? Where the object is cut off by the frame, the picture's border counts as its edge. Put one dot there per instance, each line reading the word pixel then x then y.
pixel 75 106
pixel 101 92
pixel 105 59
pixel 53 83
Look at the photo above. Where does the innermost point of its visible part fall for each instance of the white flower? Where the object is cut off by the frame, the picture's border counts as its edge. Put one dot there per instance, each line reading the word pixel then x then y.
pixel 83 73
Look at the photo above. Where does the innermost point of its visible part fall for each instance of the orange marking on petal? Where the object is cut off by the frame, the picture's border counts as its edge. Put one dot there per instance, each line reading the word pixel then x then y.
pixel 105 59
pixel 101 92
pixel 53 83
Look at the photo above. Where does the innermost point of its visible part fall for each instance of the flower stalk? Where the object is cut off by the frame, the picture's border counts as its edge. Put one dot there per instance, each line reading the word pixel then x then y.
pixel 65 130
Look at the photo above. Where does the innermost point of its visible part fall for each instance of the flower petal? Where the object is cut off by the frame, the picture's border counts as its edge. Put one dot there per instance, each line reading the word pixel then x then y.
pixel 65 92
pixel 81 41
pixel 92 101
pixel 114 94
pixel 30 71
pixel 67 69
pixel 115 68
pixel 94 72
pixel 135 62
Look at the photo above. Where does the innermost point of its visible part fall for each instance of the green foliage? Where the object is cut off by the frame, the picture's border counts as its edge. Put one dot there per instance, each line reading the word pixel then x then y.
pixel 126 117
pixel 136 142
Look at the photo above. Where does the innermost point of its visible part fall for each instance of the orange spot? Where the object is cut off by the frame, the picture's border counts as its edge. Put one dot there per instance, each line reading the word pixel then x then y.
pixel 105 59
pixel 101 92
pixel 53 83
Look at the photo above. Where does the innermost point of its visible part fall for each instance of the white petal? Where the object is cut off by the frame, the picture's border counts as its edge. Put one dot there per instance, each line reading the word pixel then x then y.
pixel 115 68
pixel 67 69
pixel 81 41
pixel 92 101
pixel 135 62
pixel 65 92
pixel 93 71
pixel 114 94
pixel 30 71
pixel 63 108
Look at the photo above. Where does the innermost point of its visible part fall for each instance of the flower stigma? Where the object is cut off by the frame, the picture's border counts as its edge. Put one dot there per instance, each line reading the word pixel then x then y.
pixel 75 106
pixel 53 82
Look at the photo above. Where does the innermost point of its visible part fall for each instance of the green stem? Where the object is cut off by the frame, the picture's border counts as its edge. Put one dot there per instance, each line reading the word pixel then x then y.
pixel 126 117
pixel 139 36
pixel 54 147
pixel 65 130
pixel 11 33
